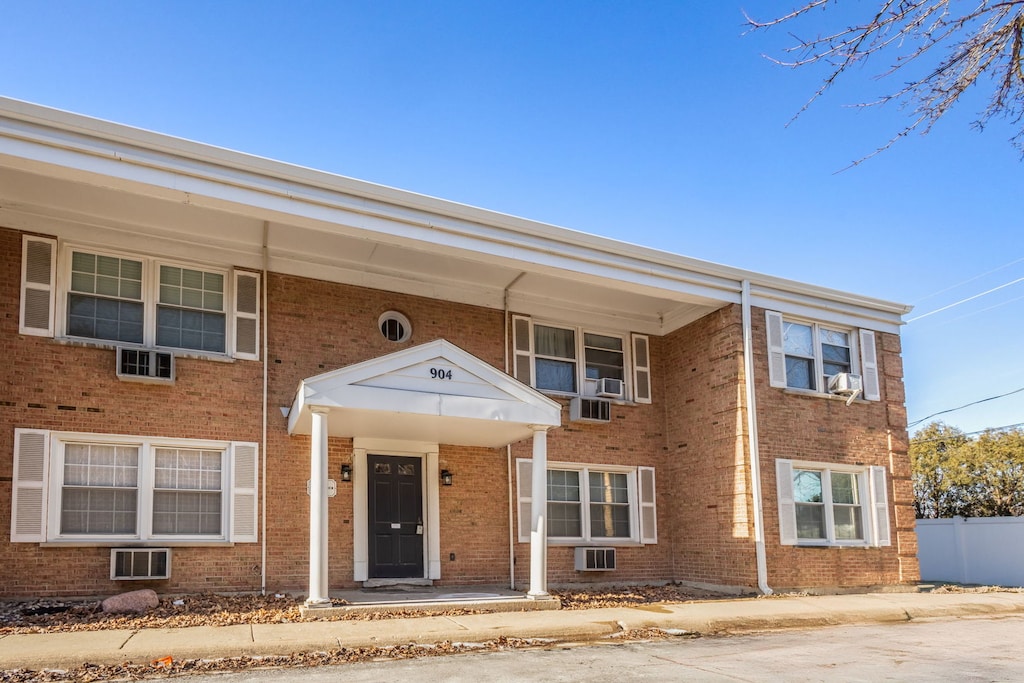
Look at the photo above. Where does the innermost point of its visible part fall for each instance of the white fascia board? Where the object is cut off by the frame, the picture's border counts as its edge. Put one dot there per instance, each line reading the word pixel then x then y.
pixel 332 212
pixel 194 168
pixel 829 310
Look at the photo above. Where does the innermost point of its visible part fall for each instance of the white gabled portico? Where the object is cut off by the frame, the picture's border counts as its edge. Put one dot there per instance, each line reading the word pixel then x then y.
pixel 427 395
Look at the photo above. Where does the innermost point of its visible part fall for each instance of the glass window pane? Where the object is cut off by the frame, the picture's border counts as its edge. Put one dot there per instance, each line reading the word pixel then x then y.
pixel 848 519
pixel 609 521
pixel 844 488
pixel 600 341
pixel 835 354
pixel 799 373
pixel 563 485
pixel 608 487
pixel 554 375
pixel 565 520
pixel 807 486
pixel 810 521
pixel 798 339
pixel 554 341
pixel 834 337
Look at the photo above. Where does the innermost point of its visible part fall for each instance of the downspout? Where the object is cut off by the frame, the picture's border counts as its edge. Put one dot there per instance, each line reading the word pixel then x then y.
pixel 508 454
pixel 263 445
pixel 755 458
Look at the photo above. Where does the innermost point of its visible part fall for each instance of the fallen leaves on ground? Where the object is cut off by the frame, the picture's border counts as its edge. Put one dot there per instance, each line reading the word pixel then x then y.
pixel 629 596
pixel 51 615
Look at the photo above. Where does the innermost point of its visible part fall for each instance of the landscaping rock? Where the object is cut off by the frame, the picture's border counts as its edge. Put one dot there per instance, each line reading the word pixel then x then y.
pixel 132 602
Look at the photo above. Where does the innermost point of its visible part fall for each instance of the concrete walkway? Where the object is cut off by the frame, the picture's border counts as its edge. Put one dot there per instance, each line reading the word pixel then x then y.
pixel 65 650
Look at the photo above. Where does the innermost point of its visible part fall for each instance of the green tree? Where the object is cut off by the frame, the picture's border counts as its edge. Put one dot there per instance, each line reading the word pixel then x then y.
pixel 936 456
pixel 955 475
pixel 935 50
pixel 996 468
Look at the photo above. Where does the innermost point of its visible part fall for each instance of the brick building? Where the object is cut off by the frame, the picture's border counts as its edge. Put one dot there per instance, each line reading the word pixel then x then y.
pixel 224 373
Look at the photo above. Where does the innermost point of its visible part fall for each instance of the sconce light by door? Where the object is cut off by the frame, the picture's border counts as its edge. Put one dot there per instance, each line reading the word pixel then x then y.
pixel 446 477
pixel 346 472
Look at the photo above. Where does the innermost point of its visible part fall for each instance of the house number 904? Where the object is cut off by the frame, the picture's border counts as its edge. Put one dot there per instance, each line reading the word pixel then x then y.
pixel 440 373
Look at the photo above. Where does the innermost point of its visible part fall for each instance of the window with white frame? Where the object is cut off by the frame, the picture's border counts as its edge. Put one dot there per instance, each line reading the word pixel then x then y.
pixel 805 355
pixel 90 487
pixel 107 294
pixel 592 503
pixel 822 504
pixel 129 299
pixel 575 360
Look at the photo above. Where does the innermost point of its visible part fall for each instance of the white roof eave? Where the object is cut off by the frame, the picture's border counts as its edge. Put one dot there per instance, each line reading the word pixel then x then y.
pixel 339 203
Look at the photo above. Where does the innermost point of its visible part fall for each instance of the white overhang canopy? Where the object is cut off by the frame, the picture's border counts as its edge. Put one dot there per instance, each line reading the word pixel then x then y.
pixel 434 392
pixel 93 182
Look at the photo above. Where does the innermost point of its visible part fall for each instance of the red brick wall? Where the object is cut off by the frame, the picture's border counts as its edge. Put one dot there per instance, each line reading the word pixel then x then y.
pixel 818 429
pixel 694 433
pixel 708 498
pixel 45 384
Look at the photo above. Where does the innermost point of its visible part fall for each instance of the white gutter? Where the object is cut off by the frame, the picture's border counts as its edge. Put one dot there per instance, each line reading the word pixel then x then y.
pixel 755 458
pixel 263 474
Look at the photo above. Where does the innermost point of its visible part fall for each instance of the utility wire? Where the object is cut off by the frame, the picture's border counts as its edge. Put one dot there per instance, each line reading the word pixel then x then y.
pixel 969 280
pixel 963 301
pixel 980 431
pixel 966 405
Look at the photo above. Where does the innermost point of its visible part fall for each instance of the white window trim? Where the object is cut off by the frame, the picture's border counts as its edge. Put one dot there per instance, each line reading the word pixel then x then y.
pixel 873 504
pixel 636 505
pixel 628 368
pixel 150 301
pixel 230 488
pixel 777 366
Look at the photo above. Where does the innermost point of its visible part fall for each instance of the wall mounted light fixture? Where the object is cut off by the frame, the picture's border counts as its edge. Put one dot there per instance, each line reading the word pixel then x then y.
pixel 446 477
pixel 346 472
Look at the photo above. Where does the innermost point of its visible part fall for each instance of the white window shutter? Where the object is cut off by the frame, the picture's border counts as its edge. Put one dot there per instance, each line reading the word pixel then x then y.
pixel 648 505
pixel 522 344
pixel 641 368
pixel 247 315
pixel 869 366
pixel 776 349
pixel 28 503
pixel 880 507
pixel 524 490
pixel 38 280
pixel 787 507
pixel 244 495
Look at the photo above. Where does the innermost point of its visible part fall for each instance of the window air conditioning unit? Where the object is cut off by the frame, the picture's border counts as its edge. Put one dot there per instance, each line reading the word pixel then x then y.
pixel 590 410
pixel 144 365
pixel 845 384
pixel 136 564
pixel 595 559
pixel 610 387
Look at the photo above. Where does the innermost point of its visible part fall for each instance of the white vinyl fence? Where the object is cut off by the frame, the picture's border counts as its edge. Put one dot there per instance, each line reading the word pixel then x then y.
pixel 983 550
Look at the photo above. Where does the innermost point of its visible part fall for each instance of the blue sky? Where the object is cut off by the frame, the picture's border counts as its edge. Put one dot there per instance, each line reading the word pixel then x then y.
pixel 658 123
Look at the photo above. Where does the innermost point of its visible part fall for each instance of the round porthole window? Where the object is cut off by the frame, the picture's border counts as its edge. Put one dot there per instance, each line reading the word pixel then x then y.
pixel 394 326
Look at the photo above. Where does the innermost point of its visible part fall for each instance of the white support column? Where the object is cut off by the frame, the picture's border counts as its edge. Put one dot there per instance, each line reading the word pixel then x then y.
pixel 318 511
pixel 538 520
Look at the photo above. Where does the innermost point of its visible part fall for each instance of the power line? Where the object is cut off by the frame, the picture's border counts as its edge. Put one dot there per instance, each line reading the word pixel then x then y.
pixel 966 405
pixel 975 433
pixel 969 280
pixel 982 310
pixel 963 301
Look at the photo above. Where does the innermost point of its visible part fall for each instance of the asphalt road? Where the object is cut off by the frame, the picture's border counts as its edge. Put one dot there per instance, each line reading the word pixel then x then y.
pixel 969 649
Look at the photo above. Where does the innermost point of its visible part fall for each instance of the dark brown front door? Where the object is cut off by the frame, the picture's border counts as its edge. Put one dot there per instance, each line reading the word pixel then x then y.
pixel 395 500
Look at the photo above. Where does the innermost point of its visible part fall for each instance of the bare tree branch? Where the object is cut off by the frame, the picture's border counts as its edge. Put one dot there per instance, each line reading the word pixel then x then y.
pixel 959 46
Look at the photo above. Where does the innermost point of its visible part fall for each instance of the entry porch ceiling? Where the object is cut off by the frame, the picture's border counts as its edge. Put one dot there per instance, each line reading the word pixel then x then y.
pixel 617 294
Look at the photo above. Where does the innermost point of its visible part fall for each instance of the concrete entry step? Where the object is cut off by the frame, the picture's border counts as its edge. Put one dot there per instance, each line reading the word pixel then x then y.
pixel 428 600
pixel 397 584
